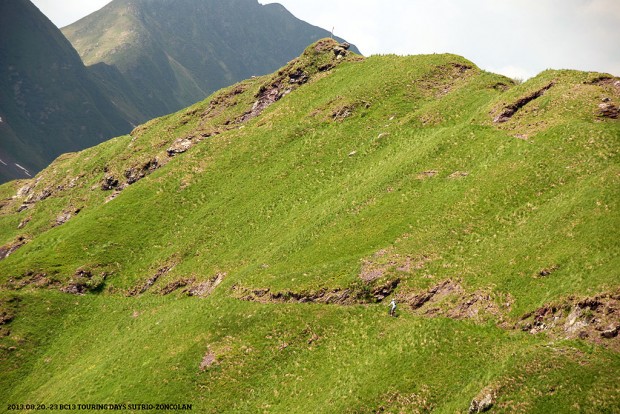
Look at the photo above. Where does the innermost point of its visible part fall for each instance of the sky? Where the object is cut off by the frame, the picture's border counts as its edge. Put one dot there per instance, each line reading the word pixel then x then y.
pixel 517 38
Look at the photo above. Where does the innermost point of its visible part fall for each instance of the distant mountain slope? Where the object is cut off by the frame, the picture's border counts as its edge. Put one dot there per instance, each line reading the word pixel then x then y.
pixel 157 56
pixel 49 103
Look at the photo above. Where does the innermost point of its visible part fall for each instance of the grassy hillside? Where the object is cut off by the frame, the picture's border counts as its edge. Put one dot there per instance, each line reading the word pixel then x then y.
pixel 49 103
pixel 155 57
pixel 240 254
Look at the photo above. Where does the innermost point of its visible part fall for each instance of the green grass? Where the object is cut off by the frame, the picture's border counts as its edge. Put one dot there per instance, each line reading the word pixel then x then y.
pixel 297 200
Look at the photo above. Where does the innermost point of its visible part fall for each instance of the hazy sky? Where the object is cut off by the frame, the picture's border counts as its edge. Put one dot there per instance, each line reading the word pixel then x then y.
pixel 518 38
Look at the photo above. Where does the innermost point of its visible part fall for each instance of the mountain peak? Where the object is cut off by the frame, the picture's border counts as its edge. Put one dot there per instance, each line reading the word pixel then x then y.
pixel 176 52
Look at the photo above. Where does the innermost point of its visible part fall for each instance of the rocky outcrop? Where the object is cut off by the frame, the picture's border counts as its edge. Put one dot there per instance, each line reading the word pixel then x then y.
pixel 449 299
pixel 596 319
pixel 607 109
pixel 347 296
pixel 66 215
pixel 509 110
pixel 483 401
pixel 9 248
pixel 204 289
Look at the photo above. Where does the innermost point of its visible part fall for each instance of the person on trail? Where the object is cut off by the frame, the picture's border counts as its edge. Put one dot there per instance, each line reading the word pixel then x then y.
pixel 393 307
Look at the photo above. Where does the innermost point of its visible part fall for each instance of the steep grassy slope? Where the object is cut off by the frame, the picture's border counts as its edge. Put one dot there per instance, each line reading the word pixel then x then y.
pixel 155 57
pixel 49 104
pixel 239 255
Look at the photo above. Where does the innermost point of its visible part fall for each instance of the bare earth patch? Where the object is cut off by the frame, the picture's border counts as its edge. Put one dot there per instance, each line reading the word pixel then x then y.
pixel 385 261
pixel 449 299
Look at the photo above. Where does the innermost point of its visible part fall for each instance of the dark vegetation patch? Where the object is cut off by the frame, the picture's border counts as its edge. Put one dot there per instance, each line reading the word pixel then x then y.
pixel 595 319
pixel 9 306
pixel 355 295
pixel 8 310
pixel 223 100
pixel 444 79
pixel 31 278
pixel 84 281
pixel 9 248
pixel 509 110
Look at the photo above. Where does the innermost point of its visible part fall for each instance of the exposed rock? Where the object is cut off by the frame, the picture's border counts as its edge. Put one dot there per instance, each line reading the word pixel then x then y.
pixel 109 182
pixel 427 174
pixel 40 196
pixel 293 76
pixel 65 216
pixel 25 190
pixel 204 289
pixel 7 249
pixel 115 194
pixel 611 333
pixel 299 77
pixel 578 318
pixel 449 299
pixel 509 110
pixel 136 173
pixel 175 285
pixel 458 174
pixel 179 146
pixel 482 402
pixel 340 51
pixel 138 290
pixel 609 110
pixel 266 97
pixel 23 223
